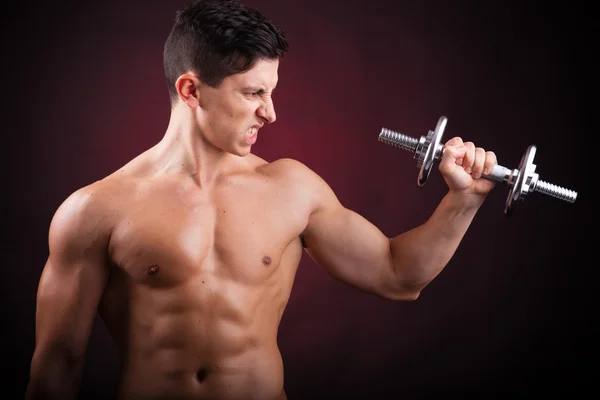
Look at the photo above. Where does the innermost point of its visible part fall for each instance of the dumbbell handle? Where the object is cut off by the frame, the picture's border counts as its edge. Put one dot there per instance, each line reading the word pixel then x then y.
pixel 498 173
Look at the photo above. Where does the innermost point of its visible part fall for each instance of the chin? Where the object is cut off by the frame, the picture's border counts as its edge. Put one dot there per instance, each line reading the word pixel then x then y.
pixel 241 152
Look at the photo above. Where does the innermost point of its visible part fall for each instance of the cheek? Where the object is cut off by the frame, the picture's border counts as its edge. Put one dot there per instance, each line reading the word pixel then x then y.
pixel 241 117
pixel 229 119
pixel 240 111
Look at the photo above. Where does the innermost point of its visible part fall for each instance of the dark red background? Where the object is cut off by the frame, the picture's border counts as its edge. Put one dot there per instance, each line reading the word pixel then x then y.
pixel 84 92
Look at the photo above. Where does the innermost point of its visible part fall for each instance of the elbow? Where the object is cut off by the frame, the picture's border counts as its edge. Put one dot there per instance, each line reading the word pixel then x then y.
pixel 398 290
pixel 408 295
pixel 403 294
pixel 54 375
pixel 398 286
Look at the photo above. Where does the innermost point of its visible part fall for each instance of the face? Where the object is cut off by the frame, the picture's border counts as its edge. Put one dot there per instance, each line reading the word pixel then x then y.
pixel 231 114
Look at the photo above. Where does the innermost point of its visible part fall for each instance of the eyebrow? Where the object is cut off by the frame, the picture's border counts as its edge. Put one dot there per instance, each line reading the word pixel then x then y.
pixel 257 89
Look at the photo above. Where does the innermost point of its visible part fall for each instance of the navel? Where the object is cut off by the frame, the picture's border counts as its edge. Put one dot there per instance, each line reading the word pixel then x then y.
pixel 153 269
pixel 201 375
pixel 266 260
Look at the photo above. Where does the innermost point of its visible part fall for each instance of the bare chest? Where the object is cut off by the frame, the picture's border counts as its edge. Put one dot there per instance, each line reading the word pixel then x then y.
pixel 167 238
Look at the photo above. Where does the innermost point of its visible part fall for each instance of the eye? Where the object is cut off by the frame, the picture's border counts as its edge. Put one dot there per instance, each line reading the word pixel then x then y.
pixel 256 93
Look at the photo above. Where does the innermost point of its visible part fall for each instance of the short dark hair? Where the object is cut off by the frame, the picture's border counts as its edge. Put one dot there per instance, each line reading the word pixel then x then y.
pixel 218 38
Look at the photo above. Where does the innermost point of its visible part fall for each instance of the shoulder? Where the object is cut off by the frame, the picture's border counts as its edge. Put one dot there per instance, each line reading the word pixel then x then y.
pixel 292 171
pixel 92 211
pixel 85 212
pixel 302 180
pixel 95 198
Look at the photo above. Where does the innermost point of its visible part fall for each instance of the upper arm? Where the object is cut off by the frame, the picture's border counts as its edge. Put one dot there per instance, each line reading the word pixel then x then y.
pixel 73 278
pixel 345 244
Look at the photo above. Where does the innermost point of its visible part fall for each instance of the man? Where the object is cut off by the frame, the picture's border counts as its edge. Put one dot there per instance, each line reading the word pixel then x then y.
pixel 189 251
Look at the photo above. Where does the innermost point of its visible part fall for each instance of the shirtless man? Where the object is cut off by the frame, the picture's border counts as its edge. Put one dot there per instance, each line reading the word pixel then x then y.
pixel 189 251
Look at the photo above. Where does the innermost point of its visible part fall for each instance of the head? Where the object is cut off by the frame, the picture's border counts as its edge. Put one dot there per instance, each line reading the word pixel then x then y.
pixel 216 50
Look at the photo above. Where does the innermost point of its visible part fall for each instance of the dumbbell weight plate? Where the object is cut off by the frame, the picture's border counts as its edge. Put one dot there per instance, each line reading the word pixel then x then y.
pixel 520 188
pixel 431 153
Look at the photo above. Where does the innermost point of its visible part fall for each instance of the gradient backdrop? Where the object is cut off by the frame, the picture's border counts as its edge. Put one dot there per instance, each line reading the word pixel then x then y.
pixel 84 93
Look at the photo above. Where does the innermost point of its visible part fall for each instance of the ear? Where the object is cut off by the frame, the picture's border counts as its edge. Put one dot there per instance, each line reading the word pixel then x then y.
pixel 187 86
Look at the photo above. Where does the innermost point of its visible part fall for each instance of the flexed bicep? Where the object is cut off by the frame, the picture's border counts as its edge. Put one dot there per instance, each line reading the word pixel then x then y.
pixel 348 246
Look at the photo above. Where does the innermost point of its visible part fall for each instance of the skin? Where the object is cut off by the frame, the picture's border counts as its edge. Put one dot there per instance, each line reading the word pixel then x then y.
pixel 189 252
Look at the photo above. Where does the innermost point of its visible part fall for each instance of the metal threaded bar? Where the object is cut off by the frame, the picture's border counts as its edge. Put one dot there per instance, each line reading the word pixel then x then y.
pixel 397 139
pixel 555 191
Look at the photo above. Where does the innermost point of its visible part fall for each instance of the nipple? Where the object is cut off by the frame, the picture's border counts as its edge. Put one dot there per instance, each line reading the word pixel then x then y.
pixel 266 260
pixel 153 269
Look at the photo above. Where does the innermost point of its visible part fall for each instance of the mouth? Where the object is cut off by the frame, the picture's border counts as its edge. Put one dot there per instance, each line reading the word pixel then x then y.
pixel 251 135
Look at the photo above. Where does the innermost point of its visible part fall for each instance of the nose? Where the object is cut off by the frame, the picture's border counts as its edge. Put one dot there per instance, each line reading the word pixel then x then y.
pixel 267 111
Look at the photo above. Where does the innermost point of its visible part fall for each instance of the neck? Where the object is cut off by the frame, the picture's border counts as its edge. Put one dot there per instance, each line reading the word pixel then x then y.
pixel 184 149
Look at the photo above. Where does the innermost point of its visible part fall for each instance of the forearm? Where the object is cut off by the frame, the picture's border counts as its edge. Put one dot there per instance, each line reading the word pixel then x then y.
pixel 53 377
pixel 420 254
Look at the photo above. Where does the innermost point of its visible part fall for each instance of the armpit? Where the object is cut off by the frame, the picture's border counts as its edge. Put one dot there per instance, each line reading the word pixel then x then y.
pixel 302 241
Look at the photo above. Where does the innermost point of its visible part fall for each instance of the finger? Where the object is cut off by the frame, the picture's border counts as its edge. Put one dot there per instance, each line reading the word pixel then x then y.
pixel 479 163
pixel 490 162
pixel 469 158
pixel 454 153
pixel 458 149
pixel 455 141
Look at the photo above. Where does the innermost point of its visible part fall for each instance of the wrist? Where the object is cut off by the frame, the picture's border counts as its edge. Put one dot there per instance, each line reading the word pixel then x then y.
pixel 464 200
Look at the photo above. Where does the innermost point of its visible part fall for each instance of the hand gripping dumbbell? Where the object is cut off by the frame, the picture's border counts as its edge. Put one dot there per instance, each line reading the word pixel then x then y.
pixel 522 180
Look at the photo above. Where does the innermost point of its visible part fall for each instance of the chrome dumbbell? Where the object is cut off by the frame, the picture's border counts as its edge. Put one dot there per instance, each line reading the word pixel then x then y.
pixel 522 180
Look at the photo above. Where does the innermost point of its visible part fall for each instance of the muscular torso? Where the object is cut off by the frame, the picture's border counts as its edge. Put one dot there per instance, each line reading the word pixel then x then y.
pixel 199 281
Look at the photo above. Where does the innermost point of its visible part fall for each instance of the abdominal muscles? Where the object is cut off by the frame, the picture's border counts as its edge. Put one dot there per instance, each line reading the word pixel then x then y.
pixel 201 338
